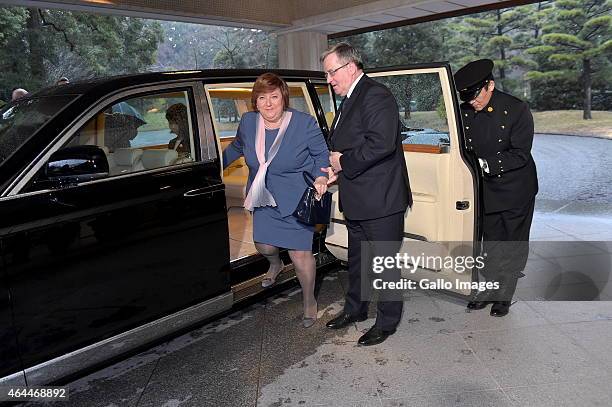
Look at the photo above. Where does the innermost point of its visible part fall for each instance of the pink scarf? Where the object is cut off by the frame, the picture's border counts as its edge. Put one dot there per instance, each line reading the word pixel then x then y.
pixel 258 193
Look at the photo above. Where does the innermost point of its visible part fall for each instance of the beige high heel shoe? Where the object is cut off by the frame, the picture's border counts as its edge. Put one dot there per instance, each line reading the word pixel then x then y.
pixel 307 322
pixel 267 282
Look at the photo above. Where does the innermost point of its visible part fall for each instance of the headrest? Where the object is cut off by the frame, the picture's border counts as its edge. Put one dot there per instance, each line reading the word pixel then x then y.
pixel 158 158
pixel 126 156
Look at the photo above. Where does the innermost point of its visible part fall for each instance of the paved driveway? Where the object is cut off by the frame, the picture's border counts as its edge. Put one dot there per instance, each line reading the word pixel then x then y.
pixel 576 170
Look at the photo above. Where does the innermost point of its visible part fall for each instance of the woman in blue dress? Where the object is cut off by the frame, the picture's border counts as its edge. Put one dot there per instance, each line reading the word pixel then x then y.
pixel 278 144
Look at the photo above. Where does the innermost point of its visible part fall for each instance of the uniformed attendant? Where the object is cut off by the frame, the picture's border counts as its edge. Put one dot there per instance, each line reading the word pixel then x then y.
pixel 498 130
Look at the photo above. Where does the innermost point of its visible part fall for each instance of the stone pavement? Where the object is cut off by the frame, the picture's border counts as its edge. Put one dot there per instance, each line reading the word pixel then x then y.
pixel 543 353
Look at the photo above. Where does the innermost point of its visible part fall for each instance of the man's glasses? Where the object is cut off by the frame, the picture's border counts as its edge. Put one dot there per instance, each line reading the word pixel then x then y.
pixel 332 72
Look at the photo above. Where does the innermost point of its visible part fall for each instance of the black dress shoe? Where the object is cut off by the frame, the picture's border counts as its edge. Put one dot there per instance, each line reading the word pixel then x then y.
pixel 374 336
pixel 500 308
pixel 343 320
pixel 477 304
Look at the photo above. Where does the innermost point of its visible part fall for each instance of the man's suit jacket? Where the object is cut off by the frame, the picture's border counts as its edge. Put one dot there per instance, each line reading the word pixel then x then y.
pixel 374 181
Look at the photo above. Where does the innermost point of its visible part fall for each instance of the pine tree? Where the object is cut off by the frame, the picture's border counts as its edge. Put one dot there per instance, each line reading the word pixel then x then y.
pixel 577 44
pixel 490 34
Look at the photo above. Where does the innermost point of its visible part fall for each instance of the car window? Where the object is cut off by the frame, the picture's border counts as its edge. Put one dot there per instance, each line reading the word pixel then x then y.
pixel 421 106
pixel 325 97
pixel 143 132
pixel 230 101
pixel 20 120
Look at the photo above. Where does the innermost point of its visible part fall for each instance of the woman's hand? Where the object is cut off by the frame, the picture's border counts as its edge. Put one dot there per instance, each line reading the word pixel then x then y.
pixel 320 185
pixel 331 175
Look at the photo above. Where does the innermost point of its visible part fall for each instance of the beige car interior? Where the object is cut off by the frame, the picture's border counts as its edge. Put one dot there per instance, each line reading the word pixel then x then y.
pixel 229 102
pixel 104 131
pixel 438 178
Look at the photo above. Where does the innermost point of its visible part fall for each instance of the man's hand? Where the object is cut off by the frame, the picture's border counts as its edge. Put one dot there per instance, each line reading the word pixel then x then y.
pixel 331 175
pixel 334 160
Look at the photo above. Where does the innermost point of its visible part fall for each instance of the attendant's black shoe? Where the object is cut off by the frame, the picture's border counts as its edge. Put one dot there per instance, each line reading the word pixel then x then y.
pixel 474 305
pixel 343 320
pixel 374 336
pixel 500 308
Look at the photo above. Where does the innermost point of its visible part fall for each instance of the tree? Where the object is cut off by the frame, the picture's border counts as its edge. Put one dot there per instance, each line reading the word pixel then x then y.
pixel 105 45
pixel 12 19
pixel 244 47
pixel 39 46
pixel 577 43
pixel 407 45
pixel 13 62
pixel 363 44
pixel 491 34
pixel 186 46
pixel 231 54
pixel 195 46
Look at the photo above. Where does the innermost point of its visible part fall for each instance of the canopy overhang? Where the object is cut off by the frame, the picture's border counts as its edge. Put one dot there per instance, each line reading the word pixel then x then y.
pixel 334 18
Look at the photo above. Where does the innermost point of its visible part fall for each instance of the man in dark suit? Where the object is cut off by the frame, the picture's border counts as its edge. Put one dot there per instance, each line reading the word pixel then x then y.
pixel 498 129
pixel 367 161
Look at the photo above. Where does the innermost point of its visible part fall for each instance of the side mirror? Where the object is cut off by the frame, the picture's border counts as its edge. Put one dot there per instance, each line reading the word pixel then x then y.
pixel 73 165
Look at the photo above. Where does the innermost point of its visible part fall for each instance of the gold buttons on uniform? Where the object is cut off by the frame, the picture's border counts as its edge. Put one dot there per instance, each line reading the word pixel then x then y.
pixel 505 112
pixel 499 176
pixel 466 115
pixel 467 127
pixel 499 161
pixel 470 140
pixel 503 127
pixel 489 109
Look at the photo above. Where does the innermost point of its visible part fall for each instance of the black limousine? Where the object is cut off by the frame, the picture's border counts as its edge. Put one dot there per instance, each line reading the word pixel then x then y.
pixel 111 240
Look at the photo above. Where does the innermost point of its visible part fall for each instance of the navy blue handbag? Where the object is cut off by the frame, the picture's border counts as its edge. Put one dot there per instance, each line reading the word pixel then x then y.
pixel 310 210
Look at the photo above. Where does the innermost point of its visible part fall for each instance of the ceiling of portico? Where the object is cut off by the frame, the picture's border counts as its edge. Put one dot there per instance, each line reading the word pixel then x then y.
pixel 325 16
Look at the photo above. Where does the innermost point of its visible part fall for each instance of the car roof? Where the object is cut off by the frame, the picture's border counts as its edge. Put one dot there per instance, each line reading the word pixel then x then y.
pixel 111 83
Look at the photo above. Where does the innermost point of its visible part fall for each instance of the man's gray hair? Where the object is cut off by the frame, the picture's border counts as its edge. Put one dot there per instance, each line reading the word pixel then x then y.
pixel 345 53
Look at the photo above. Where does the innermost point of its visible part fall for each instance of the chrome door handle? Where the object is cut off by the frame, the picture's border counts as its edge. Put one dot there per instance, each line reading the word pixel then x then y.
pixel 198 192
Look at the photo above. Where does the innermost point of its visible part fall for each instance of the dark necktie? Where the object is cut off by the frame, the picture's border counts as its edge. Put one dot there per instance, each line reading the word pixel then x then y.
pixel 339 112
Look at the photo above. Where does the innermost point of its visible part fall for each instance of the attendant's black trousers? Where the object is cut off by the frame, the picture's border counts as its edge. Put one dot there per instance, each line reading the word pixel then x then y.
pixel 388 229
pixel 506 242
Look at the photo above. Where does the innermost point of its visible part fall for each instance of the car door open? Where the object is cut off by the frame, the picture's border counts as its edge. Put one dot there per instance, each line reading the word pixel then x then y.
pixel 442 225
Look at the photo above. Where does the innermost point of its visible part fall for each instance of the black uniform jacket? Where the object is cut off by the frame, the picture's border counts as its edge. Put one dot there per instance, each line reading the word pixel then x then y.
pixel 374 181
pixel 502 134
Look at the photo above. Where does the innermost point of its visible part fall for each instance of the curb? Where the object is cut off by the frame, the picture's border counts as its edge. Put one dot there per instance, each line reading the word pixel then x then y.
pixel 577 135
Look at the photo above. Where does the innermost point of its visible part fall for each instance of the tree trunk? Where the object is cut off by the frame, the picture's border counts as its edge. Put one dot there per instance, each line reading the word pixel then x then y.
pixel 502 53
pixel 35 43
pixel 536 30
pixel 408 93
pixel 586 80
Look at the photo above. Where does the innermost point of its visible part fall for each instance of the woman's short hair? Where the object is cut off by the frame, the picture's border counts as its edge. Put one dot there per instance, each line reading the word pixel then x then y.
pixel 268 82
pixel 177 113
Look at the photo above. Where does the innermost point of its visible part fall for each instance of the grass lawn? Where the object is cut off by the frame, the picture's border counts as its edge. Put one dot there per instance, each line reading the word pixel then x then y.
pixel 571 122
pixel 554 122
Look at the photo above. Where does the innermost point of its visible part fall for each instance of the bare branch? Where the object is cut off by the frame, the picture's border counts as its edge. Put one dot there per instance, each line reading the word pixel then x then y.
pixel 56 28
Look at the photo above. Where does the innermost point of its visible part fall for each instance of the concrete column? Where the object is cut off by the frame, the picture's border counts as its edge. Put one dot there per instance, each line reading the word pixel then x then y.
pixel 301 50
